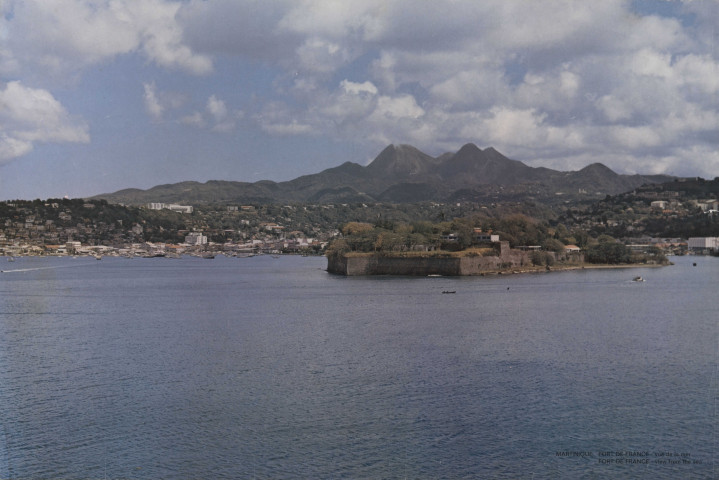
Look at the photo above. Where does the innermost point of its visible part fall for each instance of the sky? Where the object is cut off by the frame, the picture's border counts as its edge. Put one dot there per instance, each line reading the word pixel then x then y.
pixel 97 96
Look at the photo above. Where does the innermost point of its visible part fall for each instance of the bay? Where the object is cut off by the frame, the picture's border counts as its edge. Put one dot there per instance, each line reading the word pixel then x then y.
pixel 273 368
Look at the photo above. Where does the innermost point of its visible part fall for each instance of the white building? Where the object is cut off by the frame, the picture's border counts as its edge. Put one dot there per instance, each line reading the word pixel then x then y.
pixel 703 243
pixel 485 237
pixel 172 206
pixel 179 208
pixel 707 205
pixel 196 238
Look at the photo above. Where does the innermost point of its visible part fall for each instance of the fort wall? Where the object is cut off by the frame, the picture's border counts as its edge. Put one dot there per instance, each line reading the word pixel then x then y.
pixel 507 259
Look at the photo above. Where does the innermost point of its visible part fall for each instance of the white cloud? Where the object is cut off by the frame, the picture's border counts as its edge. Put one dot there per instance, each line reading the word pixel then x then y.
pixel 223 121
pixel 614 108
pixel 569 84
pixel 152 103
pixel 510 127
pixel 216 115
pixel 358 88
pixel 216 108
pixel 350 103
pixel 195 119
pixel 652 63
pixel 292 127
pixel 161 36
pixel 277 119
pixel 29 116
pixel 698 71
pixel 61 35
pixel 653 32
pixel 404 106
pixel 11 148
pixel 469 89
pixel 636 137
pixel 157 102
pixel 320 56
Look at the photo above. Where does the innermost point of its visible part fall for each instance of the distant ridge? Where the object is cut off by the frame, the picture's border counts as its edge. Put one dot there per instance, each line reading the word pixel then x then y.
pixel 402 173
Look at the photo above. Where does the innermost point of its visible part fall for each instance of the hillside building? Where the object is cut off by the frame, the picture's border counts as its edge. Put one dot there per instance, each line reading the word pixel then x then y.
pixel 196 238
pixel 486 237
pixel 170 206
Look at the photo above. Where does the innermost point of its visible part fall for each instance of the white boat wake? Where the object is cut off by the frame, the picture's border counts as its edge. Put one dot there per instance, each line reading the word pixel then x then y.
pixel 43 268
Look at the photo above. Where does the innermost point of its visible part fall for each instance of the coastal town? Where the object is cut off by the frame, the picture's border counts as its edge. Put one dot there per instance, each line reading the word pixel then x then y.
pixel 97 228
pixel 74 228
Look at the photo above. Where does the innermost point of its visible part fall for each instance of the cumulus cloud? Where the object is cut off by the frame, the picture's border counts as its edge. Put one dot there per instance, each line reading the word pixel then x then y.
pixel 29 116
pixel 195 119
pixel 223 121
pixel 358 88
pixel 248 28
pixel 61 35
pixel 158 102
pixel 278 119
pixel 152 103
pixel 216 108
pixel 216 115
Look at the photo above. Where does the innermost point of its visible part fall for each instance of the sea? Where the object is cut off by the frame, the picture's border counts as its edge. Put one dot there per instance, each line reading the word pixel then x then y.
pixel 272 368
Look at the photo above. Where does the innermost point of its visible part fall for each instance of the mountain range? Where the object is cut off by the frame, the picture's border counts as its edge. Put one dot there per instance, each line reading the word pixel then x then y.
pixel 403 174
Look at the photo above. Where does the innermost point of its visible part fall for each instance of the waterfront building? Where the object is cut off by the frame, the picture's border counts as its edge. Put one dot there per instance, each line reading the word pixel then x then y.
pixel 72 247
pixel 703 244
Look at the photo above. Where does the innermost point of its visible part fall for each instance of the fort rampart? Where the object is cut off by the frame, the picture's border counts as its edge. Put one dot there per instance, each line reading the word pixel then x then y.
pixel 506 259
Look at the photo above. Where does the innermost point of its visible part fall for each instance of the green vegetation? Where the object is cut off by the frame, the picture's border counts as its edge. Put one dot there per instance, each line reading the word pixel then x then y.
pixel 631 214
pixel 443 238
pixel 608 252
pixel 458 237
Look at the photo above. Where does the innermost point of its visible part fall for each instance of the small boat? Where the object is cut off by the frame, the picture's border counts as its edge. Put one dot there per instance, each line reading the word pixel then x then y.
pixel 638 279
pixel 449 291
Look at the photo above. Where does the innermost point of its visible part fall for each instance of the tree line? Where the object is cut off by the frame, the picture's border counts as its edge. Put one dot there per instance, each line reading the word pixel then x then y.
pixel 460 234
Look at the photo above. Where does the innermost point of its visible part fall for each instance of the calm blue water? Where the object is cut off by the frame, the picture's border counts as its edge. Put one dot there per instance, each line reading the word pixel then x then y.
pixel 272 368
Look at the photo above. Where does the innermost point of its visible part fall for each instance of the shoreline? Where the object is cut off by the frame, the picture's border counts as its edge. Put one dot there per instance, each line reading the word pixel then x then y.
pixel 562 268
pixel 509 263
